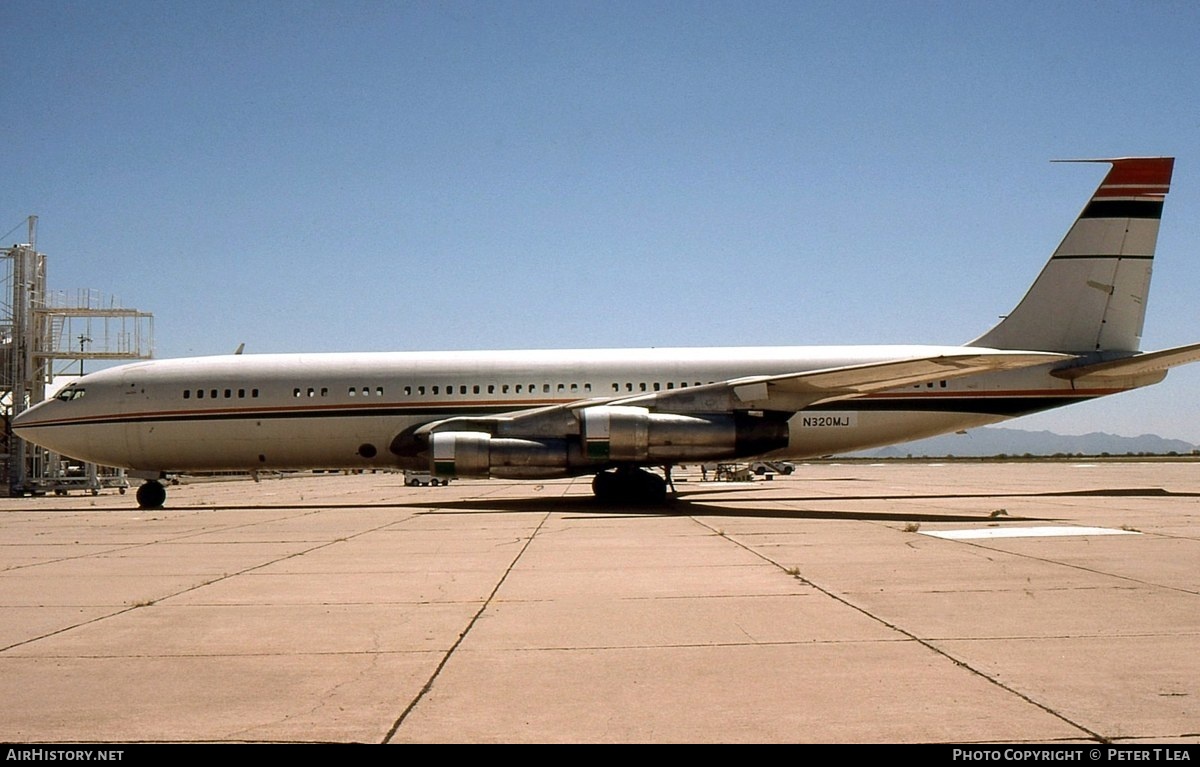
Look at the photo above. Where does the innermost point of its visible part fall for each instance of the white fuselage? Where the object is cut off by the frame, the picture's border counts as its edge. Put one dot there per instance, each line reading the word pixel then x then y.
pixel 301 411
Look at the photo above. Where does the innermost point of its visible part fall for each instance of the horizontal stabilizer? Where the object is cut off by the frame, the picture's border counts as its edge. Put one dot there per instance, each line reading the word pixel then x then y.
pixel 1140 364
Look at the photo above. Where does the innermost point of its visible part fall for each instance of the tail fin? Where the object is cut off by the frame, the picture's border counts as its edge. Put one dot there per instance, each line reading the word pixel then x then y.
pixel 1091 295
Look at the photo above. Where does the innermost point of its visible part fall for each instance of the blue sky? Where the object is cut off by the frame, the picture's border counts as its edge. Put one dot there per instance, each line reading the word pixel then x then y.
pixel 457 175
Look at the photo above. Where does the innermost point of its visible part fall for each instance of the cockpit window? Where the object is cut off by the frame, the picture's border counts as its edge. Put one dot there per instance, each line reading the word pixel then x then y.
pixel 70 393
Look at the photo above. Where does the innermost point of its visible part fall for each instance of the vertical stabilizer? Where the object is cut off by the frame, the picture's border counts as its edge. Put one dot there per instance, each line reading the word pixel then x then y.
pixel 1091 295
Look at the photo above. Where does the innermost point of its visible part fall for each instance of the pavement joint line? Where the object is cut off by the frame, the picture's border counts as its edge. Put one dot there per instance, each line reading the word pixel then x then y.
pixel 156 542
pixel 196 586
pixel 1081 568
pixel 391 733
pixel 927 644
pixel 88 555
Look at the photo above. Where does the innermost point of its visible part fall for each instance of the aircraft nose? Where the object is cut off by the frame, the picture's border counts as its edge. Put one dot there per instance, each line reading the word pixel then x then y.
pixel 30 425
pixel 52 425
pixel 25 418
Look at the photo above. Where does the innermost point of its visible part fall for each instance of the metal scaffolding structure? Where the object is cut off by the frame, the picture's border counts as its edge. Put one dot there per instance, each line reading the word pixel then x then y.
pixel 43 336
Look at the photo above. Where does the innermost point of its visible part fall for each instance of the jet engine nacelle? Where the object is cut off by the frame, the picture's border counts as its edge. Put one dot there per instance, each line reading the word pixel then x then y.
pixel 621 433
pixel 479 454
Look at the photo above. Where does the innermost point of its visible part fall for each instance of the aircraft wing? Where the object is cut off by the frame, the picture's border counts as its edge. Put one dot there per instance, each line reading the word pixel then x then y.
pixel 797 391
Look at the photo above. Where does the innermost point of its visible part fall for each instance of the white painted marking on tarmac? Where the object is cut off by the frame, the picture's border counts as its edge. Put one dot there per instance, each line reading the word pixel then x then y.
pixel 1024 532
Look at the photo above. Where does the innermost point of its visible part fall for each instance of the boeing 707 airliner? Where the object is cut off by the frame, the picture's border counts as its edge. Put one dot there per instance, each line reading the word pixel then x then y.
pixel 625 415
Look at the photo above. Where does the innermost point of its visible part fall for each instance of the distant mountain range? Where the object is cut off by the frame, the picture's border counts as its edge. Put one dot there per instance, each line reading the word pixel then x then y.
pixel 994 441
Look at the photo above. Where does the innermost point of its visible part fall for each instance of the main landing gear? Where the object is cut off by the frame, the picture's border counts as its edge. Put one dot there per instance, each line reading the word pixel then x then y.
pixel 628 485
pixel 151 495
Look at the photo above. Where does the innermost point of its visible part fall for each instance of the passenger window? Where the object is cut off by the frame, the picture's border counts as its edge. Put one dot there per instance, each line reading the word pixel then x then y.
pixel 199 394
pixel 187 394
pixel 352 391
pixel 379 391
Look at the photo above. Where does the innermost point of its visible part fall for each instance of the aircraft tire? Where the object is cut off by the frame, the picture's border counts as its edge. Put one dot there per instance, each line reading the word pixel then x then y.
pixel 604 486
pixel 634 486
pixel 151 495
pixel 651 488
